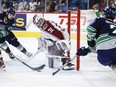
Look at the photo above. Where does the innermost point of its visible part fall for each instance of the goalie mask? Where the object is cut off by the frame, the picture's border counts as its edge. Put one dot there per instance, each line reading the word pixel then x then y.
pixel 38 20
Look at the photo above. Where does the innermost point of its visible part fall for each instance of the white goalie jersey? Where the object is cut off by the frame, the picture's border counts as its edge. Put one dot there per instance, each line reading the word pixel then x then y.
pixel 52 34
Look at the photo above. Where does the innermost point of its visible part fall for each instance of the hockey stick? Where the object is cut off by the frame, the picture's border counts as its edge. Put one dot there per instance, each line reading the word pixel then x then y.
pixel 38 51
pixel 13 26
pixel 32 68
pixel 63 66
pixel 29 23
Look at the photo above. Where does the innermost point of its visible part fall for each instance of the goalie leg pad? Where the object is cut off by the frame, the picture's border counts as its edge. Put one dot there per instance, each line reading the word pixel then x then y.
pixel 58 61
pixel 54 62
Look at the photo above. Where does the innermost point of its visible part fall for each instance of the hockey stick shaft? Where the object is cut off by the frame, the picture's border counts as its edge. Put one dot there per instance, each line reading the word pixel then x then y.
pixel 13 26
pixel 33 56
pixel 38 68
pixel 29 23
pixel 63 65
pixel 24 63
pixel 32 68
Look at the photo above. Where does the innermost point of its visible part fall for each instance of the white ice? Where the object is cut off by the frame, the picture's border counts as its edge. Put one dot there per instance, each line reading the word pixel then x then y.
pixel 18 75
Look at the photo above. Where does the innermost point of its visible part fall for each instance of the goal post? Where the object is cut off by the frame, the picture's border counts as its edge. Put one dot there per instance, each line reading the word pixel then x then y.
pixel 77 16
pixel 78 38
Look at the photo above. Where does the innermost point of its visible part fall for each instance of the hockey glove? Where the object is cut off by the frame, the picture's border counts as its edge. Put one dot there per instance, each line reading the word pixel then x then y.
pixel 83 51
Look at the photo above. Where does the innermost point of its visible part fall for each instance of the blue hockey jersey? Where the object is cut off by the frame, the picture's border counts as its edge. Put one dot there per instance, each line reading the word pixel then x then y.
pixel 98 34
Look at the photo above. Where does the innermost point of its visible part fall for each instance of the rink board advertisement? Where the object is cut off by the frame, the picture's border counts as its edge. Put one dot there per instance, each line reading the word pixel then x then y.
pixel 25 20
pixel 20 21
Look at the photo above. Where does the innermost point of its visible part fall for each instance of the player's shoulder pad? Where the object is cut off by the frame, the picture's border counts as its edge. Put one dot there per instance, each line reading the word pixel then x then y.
pixel 97 20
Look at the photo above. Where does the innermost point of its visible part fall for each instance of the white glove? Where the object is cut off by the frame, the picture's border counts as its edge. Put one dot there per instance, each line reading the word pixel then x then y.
pixel 114 20
pixel 63 44
pixel 41 44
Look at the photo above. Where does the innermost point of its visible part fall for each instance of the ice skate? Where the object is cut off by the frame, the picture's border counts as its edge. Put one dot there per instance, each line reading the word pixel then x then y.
pixel 69 66
pixel 113 67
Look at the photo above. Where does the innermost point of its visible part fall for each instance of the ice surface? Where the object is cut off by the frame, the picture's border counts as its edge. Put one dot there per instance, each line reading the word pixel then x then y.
pixel 18 75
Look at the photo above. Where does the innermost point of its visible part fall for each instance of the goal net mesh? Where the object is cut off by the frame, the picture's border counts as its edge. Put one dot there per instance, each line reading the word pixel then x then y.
pixel 90 61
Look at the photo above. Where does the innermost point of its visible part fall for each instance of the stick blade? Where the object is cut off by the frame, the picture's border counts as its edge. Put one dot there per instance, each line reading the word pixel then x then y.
pixel 55 72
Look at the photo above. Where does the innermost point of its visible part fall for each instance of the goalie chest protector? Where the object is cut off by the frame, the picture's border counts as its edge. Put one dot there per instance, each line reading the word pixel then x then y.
pixel 50 29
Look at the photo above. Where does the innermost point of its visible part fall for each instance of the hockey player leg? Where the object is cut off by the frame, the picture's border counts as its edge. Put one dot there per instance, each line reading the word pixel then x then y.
pixel 57 52
pixel 64 65
pixel 14 41
pixel 5 47
pixel 23 50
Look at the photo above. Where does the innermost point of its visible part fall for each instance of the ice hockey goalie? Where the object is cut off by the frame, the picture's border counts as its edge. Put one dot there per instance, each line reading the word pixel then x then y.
pixel 54 39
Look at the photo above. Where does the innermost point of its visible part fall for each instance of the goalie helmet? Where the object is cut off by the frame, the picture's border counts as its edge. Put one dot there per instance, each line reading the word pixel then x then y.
pixel 38 20
pixel 109 12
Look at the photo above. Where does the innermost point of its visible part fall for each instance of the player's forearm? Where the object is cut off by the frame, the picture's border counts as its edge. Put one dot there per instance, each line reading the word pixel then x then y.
pixel 114 20
pixel 0 20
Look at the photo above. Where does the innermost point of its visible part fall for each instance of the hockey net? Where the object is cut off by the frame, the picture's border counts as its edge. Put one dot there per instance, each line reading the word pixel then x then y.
pixel 77 23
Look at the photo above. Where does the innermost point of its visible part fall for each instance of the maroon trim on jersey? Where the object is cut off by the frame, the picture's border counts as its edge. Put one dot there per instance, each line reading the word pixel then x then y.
pixel 50 29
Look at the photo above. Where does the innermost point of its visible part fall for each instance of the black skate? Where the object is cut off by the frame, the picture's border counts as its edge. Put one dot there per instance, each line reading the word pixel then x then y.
pixel 113 67
pixel 69 66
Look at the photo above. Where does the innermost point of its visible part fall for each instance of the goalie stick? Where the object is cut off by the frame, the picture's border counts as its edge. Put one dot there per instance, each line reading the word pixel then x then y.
pixel 55 72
